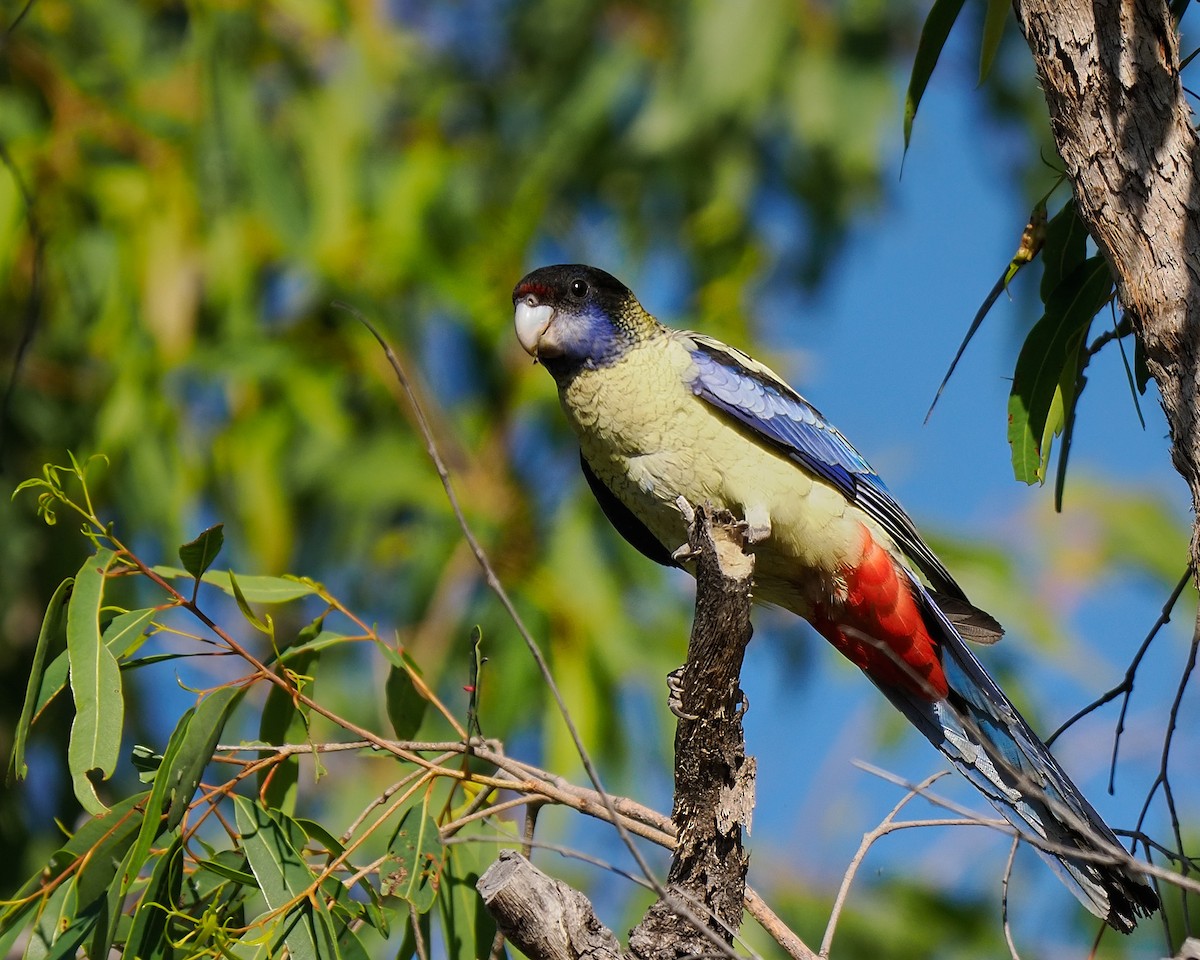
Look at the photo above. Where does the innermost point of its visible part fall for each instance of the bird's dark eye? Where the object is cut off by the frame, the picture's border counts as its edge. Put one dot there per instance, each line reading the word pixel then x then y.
pixel 579 289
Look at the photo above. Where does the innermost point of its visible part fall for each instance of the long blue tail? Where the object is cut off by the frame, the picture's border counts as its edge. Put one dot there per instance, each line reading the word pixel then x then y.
pixel 987 740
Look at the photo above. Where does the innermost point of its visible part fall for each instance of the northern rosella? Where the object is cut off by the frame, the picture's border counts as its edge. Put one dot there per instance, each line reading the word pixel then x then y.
pixel 664 414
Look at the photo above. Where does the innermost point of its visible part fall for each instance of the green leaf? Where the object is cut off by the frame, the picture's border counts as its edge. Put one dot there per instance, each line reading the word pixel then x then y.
pixel 1049 365
pixel 262 625
pixel 95 741
pixel 993 32
pixel 468 927
pixel 256 589
pixel 412 867
pixel 326 638
pixel 283 721
pixel 228 865
pixel 272 843
pixel 933 37
pixel 405 705
pixel 123 636
pixel 196 749
pixel 475 673
pixel 1064 250
pixel 148 935
pixel 198 555
pixel 106 834
pixel 104 857
pixel 53 633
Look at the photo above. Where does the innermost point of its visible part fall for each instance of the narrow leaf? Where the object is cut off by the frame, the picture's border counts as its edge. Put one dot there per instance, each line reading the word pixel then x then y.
pixel 469 928
pixel 1048 368
pixel 255 589
pixel 993 32
pixel 1064 250
pixel 196 749
pixel 160 796
pixel 933 37
pixel 272 843
pixel 264 626
pixel 104 857
pixel 1032 239
pixel 198 555
pixel 123 635
pixel 405 705
pixel 95 741
pixel 148 934
pixel 52 634
pixel 476 673
pixel 283 721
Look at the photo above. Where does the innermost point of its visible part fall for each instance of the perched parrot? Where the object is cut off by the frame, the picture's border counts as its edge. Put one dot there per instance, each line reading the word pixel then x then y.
pixel 664 414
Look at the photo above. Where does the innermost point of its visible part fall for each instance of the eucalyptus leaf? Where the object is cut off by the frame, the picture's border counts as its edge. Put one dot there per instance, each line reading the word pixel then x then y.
pixel 95 741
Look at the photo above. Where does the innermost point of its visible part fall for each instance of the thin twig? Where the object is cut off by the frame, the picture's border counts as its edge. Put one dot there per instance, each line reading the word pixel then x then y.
pixel 1008 869
pixel 1126 685
pixel 885 826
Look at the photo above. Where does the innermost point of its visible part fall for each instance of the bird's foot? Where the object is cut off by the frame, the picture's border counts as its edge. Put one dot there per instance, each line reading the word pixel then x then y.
pixel 688 512
pixel 757 525
pixel 675 695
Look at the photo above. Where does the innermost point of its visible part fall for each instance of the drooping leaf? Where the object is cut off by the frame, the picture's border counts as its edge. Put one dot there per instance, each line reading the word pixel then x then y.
pixel 476 669
pixel 1064 250
pixel 95 741
pixel 123 635
pixel 198 555
pixel 52 634
pixel 272 842
pixel 56 880
pixel 405 705
pixel 412 868
pixel 262 624
pixel 103 859
pixel 1032 239
pixel 1048 368
pixel 284 721
pixel 196 749
pixel 933 37
pixel 993 32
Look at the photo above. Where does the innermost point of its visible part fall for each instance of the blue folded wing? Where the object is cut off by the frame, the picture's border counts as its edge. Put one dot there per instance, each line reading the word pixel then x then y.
pixel 761 401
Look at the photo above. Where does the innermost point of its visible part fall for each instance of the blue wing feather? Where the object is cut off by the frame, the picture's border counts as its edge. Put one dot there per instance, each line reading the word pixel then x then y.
pixel 758 399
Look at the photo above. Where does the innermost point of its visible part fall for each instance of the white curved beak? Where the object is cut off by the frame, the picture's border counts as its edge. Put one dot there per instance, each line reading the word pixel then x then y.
pixel 531 320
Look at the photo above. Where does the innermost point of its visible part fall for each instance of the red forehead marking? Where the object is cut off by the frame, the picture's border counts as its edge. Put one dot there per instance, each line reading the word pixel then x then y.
pixel 539 290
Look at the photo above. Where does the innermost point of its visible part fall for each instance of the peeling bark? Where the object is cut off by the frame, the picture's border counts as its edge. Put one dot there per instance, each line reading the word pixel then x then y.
pixel 1110 73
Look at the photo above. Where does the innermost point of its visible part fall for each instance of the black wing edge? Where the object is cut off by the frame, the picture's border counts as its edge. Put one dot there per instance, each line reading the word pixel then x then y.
pixel 625 521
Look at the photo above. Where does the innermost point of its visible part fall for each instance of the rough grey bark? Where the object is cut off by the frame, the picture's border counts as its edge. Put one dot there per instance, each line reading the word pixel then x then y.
pixel 714 779
pixel 1110 73
pixel 714 797
pixel 542 917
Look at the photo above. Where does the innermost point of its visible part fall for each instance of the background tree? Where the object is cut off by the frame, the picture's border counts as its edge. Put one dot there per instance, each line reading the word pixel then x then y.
pixel 190 187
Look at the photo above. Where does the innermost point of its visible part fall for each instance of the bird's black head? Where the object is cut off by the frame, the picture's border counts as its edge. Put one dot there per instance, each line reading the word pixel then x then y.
pixel 571 316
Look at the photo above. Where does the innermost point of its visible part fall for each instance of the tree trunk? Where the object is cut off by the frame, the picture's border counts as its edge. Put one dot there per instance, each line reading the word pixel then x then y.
pixel 1110 73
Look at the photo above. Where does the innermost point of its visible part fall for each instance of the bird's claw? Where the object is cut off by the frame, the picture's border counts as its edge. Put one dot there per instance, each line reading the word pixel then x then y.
pixel 757 525
pixel 675 695
pixel 684 552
